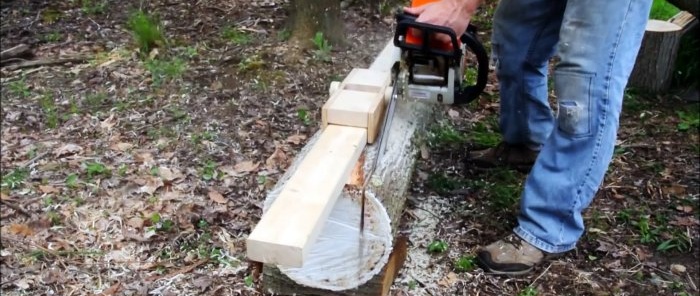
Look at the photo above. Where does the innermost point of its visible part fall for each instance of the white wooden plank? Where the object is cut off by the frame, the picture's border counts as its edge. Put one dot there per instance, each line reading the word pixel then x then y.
pixel 293 222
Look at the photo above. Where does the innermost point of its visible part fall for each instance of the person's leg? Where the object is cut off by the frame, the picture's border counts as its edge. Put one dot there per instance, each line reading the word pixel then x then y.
pixel 598 46
pixel 525 33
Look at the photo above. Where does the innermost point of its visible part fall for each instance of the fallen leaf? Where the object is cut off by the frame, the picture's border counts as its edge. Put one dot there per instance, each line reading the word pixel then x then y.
pixel 245 167
pixel 685 209
pixel 4 196
pixel 424 151
pixel 22 229
pixel 605 246
pixel 277 160
pixel 642 254
pixel 48 189
pixel 168 174
pixel 449 280
pixel 68 149
pixel 454 114
pixel 151 185
pixel 296 139
pixel 135 222
pixel 216 197
pixel 112 289
pixel 23 284
pixel 144 158
pixel 121 146
pixel 684 221
pixel 678 268
pixel 108 123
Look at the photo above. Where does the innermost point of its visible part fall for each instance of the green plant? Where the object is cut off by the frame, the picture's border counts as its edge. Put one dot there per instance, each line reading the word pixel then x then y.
pixel 95 100
pixel 51 37
pixel 160 224
pixel 444 134
pixel 72 181
pixel 92 8
pixel 412 284
pixel 251 63
pixel 48 106
pixel 15 178
pixel 690 120
pixel 482 135
pixel 437 246
pixel 443 184
pixel 465 263
pixel 19 88
pixel 662 10
pixel 165 70
pixel 209 170
pixel 95 169
pixel 303 115
pixel 284 34
pixel 249 280
pixel 146 31
pixel 323 48
pixel 235 35
pixel 528 291
pixel 54 218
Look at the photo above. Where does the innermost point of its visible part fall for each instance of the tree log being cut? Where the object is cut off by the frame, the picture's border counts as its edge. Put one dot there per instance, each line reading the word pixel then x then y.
pixel 339 262
pixel 653 69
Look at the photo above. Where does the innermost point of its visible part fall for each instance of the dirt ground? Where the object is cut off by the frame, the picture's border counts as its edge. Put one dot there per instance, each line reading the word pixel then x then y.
pixel 124 175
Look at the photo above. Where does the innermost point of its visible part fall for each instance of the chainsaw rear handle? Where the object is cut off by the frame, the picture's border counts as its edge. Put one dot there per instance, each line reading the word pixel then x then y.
pixel 465 94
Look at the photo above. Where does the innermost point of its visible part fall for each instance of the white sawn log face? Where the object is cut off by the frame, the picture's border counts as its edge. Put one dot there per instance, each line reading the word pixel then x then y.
pixel 285 232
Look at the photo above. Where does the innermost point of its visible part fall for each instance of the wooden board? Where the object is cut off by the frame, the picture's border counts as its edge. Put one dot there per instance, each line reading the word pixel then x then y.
pixel 293 222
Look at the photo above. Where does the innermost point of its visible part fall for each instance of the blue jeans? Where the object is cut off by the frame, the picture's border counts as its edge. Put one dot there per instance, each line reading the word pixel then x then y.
pixel 596 43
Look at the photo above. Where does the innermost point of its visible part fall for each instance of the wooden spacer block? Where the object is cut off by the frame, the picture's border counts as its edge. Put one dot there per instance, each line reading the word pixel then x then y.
pixel 293 222
pixel 358 101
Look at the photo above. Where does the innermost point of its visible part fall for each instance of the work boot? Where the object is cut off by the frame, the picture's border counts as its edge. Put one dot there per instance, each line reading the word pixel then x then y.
pixel 511 256
pixel 517 156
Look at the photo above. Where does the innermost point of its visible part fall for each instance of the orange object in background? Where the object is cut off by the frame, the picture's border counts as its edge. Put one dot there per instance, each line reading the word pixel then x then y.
pixel 414 36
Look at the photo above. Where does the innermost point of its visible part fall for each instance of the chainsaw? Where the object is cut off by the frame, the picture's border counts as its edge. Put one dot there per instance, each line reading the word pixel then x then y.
pixel 431 71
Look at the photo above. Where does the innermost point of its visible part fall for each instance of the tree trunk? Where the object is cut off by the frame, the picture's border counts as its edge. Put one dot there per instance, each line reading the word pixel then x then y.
pixel 692 6
pixel 311 16
pixel 341 262
pixel 653 69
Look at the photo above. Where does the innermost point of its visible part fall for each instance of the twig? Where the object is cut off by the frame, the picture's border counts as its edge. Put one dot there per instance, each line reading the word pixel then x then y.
pixel 541 274
pixel 29 162
pixel 16 208
pixel 182 270
pixel 46 62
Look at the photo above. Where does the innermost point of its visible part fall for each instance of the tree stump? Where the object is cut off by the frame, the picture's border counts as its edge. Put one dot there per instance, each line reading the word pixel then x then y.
pixel 653 69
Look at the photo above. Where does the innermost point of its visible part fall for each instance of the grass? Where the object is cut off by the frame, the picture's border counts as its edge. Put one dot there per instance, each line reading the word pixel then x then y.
pixel 91 7
pixel 19 88
pixel 303 115
pixel 146 31
pixel 438 246
pixel 235 35
pixel 688 120
pixel 465 263
pixel 163 70
pixel 48 107
pixel 528 291
pixel 15 178
pixel 662 10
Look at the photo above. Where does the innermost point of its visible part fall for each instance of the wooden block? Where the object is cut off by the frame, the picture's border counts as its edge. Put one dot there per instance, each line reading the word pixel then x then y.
pixel 396 261
pixel 355 108
pixel 358 101
pixel 294 220
pixel 366 80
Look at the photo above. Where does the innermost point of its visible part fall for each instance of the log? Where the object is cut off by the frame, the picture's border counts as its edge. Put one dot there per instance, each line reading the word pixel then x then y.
pixel 684 20
pixel 339 262
pixel 15 52
pixel 653 69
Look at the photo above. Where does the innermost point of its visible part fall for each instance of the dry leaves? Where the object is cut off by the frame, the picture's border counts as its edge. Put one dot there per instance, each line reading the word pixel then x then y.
pixel 21 229
pixel 278 160
pixel 68 149
pixel 296 139
pixel 245 167
pixel 216 197
pixel 48 189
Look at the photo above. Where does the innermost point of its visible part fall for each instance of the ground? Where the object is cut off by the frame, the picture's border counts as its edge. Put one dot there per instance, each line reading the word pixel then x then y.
pixel 142 172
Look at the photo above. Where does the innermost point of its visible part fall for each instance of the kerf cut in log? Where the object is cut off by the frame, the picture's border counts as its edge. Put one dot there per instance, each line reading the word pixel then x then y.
pixel 286 231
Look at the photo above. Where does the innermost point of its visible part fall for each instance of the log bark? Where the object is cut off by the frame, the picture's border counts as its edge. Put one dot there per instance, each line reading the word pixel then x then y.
pixel 653 69
pixel 18 51
pixel 346 264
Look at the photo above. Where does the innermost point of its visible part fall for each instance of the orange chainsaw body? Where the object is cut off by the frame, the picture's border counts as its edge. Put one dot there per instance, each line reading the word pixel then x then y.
pixel 414 38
